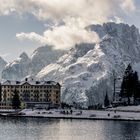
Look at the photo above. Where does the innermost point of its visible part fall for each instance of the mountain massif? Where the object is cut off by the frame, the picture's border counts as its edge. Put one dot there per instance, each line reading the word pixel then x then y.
pixel 87 70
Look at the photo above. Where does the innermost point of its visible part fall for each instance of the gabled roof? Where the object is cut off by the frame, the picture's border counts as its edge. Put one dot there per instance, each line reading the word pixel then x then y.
pixel 8 82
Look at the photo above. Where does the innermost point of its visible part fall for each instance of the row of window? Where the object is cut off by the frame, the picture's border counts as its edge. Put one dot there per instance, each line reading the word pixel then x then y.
pixel 47 94
pixel 35 100
pixel 5 86
pixel 29 90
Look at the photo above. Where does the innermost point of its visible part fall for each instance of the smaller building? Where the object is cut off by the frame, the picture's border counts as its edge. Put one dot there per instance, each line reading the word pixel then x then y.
pixel 31 93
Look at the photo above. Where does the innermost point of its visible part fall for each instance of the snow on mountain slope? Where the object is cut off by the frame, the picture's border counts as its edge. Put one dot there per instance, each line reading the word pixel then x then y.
pixel 85 72
pixel 2 65
pixel 24 66
pixel 43 56
pixel 17 69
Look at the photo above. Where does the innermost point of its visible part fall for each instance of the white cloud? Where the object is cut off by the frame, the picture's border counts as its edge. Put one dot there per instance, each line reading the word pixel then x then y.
pixel 31 36
pixel 62 37
pixel 87 10
pixel 75 14
pixel 128 5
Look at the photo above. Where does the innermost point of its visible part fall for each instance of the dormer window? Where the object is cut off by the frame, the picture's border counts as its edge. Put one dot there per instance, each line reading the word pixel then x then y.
pixel 37 82
pixel 17 82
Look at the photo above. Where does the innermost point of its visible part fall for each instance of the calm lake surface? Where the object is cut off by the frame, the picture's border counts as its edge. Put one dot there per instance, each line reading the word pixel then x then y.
pixel 52 129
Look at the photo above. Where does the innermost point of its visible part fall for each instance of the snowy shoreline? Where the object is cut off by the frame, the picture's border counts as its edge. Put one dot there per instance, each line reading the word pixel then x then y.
pixel 123 114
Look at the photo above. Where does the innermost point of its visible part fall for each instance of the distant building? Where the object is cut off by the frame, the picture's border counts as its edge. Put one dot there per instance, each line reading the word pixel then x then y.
pixel 32 93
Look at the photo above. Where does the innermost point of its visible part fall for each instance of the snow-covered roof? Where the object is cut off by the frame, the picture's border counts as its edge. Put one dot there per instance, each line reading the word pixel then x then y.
pixel 8 82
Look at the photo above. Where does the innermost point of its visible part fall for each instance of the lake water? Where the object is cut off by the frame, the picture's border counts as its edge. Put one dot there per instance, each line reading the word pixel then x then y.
pixel 53 129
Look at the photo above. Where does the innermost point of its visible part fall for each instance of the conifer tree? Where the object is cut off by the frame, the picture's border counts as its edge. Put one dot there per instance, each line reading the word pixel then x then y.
pixel 136 85
pixel 16 101
pixel 106 100
pixel 129 84
pixel 0 92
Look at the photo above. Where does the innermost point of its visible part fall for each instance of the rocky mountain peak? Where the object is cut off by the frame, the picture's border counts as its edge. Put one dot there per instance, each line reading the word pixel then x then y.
pixel 24 56
pixel 120 30
pixel 2 65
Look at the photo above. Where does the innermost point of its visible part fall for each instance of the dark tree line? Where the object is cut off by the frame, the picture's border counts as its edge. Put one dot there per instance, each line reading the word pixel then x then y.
pixel 130 86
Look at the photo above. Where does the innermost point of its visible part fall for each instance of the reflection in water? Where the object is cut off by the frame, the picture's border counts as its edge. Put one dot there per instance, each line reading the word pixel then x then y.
pixel 131 131
pixel 54 129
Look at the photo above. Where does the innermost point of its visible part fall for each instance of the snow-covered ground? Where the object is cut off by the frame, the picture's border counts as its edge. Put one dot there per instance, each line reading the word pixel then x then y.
pixel 126 109
pixel 119 113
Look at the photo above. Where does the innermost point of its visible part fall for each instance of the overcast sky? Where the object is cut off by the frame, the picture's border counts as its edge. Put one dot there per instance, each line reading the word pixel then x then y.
pixel 28 24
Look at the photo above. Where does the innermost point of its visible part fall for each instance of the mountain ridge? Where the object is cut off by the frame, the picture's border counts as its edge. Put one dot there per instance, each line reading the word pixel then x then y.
pixel 25 66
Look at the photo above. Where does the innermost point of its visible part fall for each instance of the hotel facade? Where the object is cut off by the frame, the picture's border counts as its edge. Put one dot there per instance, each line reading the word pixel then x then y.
pixel 31 93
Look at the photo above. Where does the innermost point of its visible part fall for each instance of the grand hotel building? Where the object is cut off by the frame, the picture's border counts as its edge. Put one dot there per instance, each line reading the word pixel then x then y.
pixel 31 93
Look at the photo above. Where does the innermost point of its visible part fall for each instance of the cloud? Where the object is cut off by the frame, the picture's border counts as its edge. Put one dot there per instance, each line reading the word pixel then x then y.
pixel 62 37
pixel 128 6
pixel 88 10
pixel 75 16
pixel 31 36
